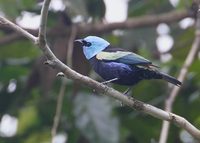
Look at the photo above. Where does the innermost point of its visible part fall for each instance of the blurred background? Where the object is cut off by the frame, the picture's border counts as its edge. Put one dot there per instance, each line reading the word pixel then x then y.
pixel 29 89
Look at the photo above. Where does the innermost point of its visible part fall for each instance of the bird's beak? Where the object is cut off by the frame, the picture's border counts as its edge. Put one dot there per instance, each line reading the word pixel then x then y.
pixel 78 42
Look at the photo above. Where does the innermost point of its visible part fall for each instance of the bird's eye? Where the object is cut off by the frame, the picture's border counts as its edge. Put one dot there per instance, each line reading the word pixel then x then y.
pixel 87 44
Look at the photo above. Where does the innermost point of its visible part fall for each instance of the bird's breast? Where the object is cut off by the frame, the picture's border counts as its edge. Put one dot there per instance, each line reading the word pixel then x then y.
pixel 126 74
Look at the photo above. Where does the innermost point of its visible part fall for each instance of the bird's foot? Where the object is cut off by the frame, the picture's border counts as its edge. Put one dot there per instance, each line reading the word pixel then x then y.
pixel 94 91
pixel 129 97
pixel 106 82
pixel 109 81
pixel 126 92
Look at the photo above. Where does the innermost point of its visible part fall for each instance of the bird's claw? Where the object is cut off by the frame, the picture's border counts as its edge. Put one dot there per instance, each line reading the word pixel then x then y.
pixel 109 81
pixel 131 98
pixel 127 91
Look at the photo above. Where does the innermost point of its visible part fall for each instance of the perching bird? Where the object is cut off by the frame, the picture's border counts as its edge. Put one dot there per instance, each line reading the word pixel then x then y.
pixel 119 66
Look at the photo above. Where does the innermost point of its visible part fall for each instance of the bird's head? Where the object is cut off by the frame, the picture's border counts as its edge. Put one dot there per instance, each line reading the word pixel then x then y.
pixel 92 45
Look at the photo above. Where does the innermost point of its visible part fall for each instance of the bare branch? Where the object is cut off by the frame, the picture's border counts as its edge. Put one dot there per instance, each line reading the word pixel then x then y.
pixel 131 102
pixel 43 45
pixel 63 84
pixel 137 22
pixel 58 109
pixel 71 45
pixel 184 70
pixel 4 21
pixel 43 21
pixel 97 28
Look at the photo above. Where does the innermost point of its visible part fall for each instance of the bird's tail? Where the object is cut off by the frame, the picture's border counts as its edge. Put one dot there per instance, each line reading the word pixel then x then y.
pixel 170 79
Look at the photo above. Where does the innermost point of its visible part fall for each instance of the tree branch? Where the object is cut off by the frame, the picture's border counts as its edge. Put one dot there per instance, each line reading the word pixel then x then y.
pixel 131 102
pixel 63 84
pixel 59 105
pixel 43 21
pixel 183 72
pixel 136 22
pixel 16 28
pixel 99 28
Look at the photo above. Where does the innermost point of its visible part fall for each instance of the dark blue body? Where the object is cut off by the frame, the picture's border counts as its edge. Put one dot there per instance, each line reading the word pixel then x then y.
pixel 127 74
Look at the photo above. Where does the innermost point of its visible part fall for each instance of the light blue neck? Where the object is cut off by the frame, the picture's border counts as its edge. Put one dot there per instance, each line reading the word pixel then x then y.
pixel 97 45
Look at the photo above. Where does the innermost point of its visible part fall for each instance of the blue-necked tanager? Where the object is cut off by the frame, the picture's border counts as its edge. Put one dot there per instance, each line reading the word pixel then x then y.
pixel 120 66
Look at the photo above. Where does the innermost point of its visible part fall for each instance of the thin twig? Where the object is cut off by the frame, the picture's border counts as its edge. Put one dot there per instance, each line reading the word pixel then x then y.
pixel 130 23
pixel 184 70
pixel 136 22
pixel 131 102
pixel 71 45
pixel 58 110
pixel 63 84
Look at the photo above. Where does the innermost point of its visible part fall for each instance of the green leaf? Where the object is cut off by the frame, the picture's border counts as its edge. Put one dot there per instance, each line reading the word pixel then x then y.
pixel 38 137
pixel 96 8
pixel 12 8
pixel 183 42
pixel 8 8
pixel 197 122
pixel 27 4
pixel 183 4
pixel 28 118
pixel 95 120
pixel 77 7
pixel 9 72
pixel 142 7
pixel 19 49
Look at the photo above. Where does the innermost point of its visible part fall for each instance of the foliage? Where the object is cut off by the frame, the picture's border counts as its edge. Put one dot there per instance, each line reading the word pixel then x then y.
pixel 87 117
pixel 94 115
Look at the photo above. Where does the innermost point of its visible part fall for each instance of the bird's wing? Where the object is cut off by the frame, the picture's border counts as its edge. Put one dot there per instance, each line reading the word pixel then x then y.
pixel 124 57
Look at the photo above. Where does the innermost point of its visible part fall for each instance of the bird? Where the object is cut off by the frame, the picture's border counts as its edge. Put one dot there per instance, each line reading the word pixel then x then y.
pixel 119 66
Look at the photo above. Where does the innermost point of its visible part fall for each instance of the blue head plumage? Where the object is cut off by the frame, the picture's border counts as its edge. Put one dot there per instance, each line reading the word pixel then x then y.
pixel 92 45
